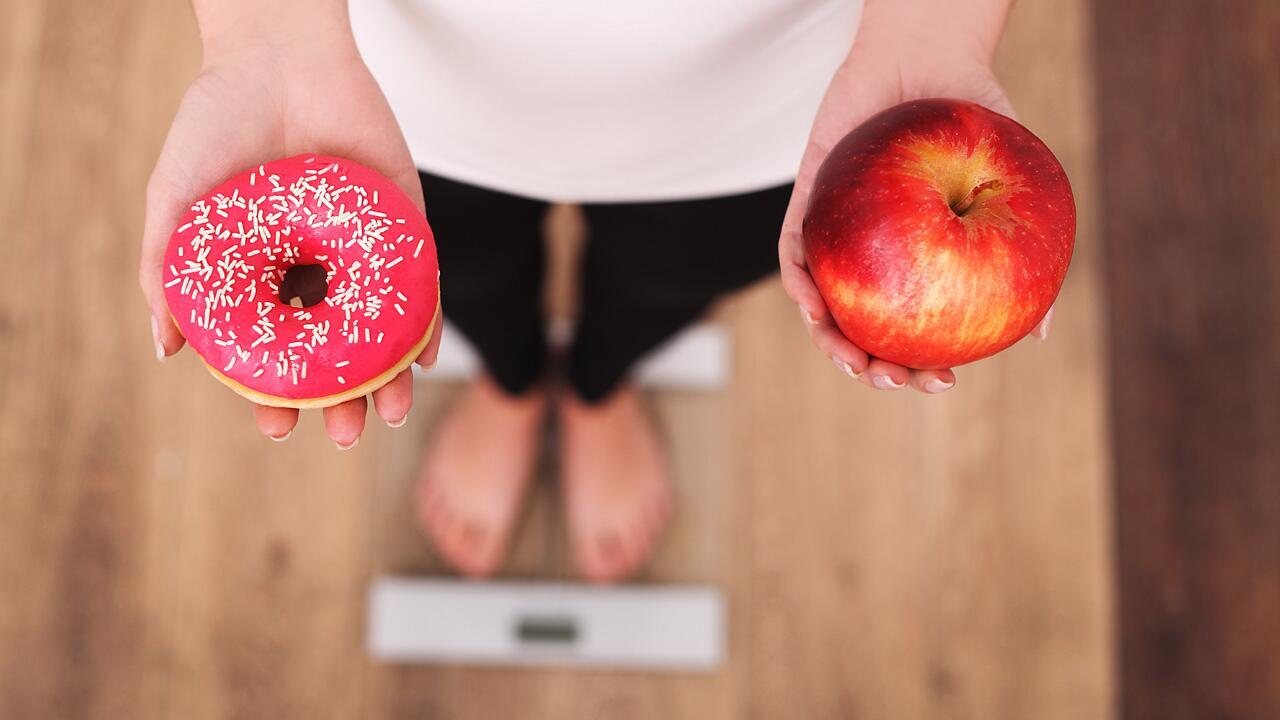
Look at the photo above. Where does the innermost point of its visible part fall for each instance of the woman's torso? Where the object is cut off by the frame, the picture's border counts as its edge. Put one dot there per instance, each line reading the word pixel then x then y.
pixel 613 100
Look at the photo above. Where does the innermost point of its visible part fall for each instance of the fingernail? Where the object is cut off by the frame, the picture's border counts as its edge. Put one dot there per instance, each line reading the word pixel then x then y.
pixel 937 385
pixel 844 368
pixel 807 317
pixel 348 447
pixel 884 382
pixel 281 438
pixel 1043 330
pixel 398 423
pixel 155 338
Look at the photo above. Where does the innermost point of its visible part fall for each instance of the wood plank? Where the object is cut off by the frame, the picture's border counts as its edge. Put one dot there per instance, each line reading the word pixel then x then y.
pixel 85 505
pixel 1189 99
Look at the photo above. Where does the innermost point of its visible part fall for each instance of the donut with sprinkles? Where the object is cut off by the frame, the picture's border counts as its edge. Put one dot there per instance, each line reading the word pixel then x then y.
pixel 246 255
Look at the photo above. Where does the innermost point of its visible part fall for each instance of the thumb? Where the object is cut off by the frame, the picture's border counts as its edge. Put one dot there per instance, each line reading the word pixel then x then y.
pixel 165 205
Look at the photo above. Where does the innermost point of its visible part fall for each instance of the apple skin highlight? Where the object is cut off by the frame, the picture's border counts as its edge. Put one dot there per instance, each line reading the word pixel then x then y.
pixel 938 233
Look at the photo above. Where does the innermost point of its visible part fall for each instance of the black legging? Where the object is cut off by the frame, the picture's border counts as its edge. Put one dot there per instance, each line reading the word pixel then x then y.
pixel 648 270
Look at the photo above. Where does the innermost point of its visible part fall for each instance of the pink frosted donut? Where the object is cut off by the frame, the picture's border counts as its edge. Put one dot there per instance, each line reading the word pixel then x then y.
pixel 340 232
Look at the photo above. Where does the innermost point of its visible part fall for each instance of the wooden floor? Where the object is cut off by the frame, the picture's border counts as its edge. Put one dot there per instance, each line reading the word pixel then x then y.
pixel 1190 149
pixel 884 556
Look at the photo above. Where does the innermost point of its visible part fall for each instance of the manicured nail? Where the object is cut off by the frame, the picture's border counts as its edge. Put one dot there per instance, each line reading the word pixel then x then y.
pixel 807 317
pixel 283 437
pixel 1043 330
pixel 884 382
pixel 398 423
pixel 937 385
pixel 348 447
pixel 155 338
pixel 844 368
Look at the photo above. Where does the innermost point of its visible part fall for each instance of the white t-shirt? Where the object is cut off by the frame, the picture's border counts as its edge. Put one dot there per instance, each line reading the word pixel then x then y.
pixel 606 100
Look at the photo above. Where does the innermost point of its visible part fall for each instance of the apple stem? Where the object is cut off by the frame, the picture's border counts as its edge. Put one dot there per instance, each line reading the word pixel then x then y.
pixel 961 206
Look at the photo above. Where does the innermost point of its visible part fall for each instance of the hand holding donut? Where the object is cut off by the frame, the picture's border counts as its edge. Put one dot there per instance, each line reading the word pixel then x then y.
pixel 273 88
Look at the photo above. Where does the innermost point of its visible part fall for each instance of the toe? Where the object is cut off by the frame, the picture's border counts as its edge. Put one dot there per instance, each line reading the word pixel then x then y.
pixel 485 547
pixel 609 560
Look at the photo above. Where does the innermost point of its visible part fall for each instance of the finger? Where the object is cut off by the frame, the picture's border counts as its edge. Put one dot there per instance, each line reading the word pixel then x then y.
pixel 932 382
pixel 165 205
pixel 274 422
pixel 427 358
pixel 851 360
pixel 1041 331
pixel 393 400
pixel 886 375
pixel 343 423
pixel 207 142
pixel 800 287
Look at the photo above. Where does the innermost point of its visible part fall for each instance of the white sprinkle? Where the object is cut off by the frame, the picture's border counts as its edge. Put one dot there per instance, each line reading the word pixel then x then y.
pixel 342 380
pixel 419 248
pixel 344 363
pixel 399 309
pixel 174 281
pixel 393 263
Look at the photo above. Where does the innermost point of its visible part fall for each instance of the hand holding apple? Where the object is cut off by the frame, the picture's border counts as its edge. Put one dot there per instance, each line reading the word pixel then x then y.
pixel 905 50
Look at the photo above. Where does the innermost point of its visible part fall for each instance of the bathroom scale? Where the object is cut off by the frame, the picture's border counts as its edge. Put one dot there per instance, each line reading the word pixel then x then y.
pixel 450 621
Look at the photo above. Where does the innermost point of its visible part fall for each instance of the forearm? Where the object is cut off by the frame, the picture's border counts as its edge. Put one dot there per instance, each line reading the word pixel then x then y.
pixel 234 25
pixel 969 30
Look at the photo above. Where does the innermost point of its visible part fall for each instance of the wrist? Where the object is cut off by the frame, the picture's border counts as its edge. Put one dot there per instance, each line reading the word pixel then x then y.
pixel 231 27
pixel 928 35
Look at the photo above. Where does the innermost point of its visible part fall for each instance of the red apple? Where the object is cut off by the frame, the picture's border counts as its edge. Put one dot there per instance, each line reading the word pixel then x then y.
pixel 939 232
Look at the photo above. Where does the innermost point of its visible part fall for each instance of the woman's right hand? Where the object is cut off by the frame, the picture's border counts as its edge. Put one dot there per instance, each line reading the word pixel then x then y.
pixel 295 89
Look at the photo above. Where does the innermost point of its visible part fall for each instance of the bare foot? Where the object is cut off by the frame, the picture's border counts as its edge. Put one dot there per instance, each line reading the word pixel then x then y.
pixel 616 491
pixel 477 468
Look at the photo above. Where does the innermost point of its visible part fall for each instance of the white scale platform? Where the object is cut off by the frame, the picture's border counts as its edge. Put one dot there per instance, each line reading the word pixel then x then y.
pixel 446 621
pixel 505 623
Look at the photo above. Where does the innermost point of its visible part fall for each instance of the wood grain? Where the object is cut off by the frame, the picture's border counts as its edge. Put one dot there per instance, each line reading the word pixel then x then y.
pixel 884 556
pixel 1189 97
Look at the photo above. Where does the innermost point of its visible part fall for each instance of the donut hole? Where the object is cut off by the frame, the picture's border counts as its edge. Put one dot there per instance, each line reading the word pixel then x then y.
pixel 304 285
